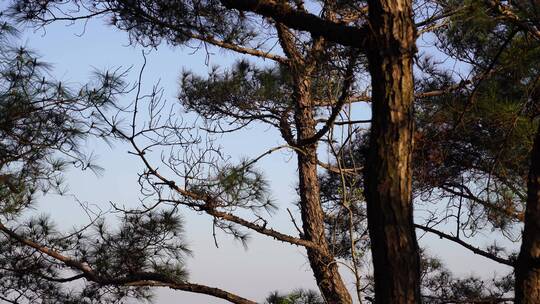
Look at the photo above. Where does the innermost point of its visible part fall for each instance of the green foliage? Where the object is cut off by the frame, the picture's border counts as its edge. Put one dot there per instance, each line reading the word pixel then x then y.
pixel 42 126
pixel 151 22
pixel 343 192
pixel 299 296
pixel 473 144
pixel 42 123
pixel 144 243
pixel 242 183
pixel 439 285
pixel 242 94
pixel 246 92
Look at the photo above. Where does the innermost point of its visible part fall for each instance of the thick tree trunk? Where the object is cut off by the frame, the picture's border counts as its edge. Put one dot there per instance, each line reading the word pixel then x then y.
pixel 528 263
pixel 325 268
pixel 388 170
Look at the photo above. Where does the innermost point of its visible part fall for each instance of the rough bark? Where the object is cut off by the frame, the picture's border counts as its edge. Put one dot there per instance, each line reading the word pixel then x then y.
pixel 527 286
pixel 323 264
pixel 388 169
pixel 282 12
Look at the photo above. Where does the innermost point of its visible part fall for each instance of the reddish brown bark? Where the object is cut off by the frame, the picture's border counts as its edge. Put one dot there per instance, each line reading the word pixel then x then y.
pixel 527 270
pixel 323 264
pixel 388 169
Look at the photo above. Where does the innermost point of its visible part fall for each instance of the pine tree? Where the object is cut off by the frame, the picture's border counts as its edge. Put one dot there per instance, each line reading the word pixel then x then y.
pixel 290 95
pixel 43 123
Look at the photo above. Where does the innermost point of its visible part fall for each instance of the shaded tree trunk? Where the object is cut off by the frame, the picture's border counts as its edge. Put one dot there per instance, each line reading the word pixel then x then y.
pixel 323 264
pixel 527 287
pixel 388 168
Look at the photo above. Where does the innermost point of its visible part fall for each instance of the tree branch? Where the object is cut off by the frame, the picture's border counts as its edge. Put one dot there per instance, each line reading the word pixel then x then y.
pixel 347 83
pixel 469 195
pixel 282 12
pixel 475 250
pixel 209 208
pixel 210 39
pixel 210 202
pixel 507 13
pixel 136 279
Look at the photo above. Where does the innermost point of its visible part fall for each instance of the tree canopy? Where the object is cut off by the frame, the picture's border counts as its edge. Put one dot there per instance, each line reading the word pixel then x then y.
pixel 459 146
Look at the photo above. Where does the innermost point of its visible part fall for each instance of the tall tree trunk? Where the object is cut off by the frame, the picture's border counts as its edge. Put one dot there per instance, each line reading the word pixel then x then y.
pixel 388 171
pixel 528 264
pixel 325 268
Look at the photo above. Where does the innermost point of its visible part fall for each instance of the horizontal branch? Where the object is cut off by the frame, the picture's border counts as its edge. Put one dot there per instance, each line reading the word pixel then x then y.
pixel 472 248
pixel 346 122
pixel 300 20
pixel 136 279
pixel 350 99
pixel 197 288
pixel 209 39
pixel 334 169
pixel 418 95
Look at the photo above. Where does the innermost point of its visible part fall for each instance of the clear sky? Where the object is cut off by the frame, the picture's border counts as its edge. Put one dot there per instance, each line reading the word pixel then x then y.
pixel 266 265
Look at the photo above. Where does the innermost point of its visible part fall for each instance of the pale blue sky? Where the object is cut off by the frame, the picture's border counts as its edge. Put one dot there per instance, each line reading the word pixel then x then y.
pixel 267 265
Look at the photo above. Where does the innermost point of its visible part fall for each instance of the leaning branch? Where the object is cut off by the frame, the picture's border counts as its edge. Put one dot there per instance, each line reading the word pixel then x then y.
pixel 197 288
pixel 467 194
pixel 472 248
pixel 89 273
pixel 260 228
pixel 282 12
pixel 209 203
pixel 207 38
pixel 136 279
